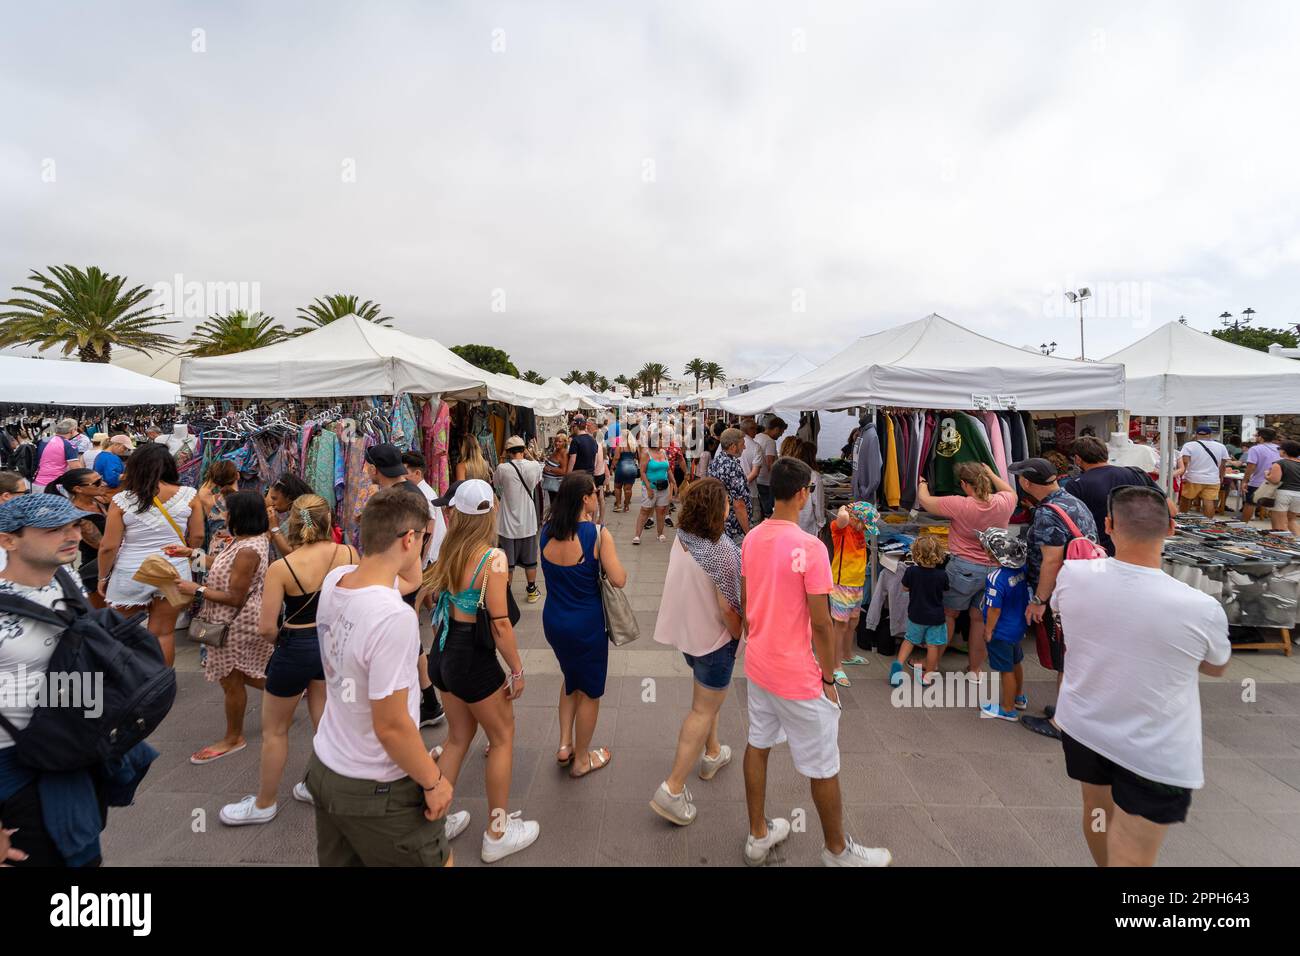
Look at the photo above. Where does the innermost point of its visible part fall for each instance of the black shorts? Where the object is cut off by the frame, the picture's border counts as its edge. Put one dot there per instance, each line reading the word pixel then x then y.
pixel 1157 802
pixel 464 667
pixel 295 663
pixel 1250 494
pixel 598 479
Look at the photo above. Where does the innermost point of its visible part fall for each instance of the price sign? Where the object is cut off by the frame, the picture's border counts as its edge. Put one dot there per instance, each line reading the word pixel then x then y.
pixel 1008 402
pixel 981 402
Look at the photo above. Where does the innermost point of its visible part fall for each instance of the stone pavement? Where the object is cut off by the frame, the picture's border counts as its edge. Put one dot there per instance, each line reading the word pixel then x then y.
pixel 938 787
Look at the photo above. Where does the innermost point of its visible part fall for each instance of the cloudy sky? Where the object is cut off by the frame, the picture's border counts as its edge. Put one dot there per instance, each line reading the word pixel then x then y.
pixel 592 185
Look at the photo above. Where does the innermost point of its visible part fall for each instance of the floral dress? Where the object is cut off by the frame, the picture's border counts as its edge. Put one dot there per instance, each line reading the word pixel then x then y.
pixel 245 651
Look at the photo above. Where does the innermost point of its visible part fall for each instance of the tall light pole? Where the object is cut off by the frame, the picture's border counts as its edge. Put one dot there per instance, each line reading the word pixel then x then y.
pixel 1047 349
pixel 1079 295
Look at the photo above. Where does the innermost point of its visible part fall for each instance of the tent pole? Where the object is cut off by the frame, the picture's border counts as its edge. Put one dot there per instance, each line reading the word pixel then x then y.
pixel 1166 453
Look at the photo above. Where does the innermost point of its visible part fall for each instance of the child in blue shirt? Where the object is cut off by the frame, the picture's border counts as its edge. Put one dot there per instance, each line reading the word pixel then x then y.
pixel 1006 599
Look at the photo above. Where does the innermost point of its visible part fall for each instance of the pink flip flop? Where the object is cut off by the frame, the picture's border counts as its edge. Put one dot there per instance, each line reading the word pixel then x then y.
pixel 198 758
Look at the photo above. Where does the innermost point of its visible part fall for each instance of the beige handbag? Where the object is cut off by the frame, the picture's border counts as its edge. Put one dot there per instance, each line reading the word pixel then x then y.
pixel 620 622
pixel 1266 494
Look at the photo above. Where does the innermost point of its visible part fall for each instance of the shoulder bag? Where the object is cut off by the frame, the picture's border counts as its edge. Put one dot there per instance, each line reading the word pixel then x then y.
pixel 620 622
pixel 483 634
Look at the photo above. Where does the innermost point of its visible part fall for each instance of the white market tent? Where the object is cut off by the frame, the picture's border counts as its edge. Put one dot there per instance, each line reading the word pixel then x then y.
pixel 351 357
pixel 1177 370
pixel 32 381
pixel 835 428
pixel 163 366
pixel 792 367
pixel 576 390
pixel 934 363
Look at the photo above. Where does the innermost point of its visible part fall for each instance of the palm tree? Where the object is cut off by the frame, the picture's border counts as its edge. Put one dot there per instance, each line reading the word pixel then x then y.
pixel 531 376
pixel 633 384
pixel 696 367
pixel 590 379
pixel 712 371
pixel 236 332
pixel 333 307
pixel 602 384
pixel 573 376
pixel 83 311
pixel 652 373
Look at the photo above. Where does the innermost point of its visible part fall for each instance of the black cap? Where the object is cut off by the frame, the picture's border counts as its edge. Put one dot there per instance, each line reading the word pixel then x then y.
pixel 445 500
pixel 388 459
pixel 1038 470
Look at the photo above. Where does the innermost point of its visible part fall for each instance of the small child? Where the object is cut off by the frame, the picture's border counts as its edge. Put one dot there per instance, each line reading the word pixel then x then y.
pixel 849 533
pixel 1006 599
pixel 925 583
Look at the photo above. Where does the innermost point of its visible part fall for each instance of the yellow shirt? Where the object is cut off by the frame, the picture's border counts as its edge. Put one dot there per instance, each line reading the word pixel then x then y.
pixel 893 489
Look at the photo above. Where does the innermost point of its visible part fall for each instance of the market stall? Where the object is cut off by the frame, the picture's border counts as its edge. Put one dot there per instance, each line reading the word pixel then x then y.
pixel 1178 370
pixel 832 428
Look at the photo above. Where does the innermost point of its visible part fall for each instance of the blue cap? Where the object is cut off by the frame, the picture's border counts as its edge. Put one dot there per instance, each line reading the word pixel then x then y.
pixel 38 511
pixel 1204 430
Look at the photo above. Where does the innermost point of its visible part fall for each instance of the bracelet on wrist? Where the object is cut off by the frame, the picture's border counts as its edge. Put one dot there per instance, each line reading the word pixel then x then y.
pixel 828 683
pixel 435 783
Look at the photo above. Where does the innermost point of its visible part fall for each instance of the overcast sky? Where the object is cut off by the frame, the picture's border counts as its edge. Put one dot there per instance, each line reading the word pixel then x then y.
pixel 641 182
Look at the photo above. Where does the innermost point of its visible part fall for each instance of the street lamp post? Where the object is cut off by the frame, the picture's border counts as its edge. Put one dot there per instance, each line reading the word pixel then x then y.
pixel 1047 349
pixel 1079 295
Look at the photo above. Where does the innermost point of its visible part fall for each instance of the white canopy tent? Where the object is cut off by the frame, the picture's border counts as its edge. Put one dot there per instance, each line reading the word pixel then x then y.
pixel 576 390
pixel 350 357
pixel 792 367
pixel 935 363
pixel 1177 370
pixel 164 366
pixel 835 427
pixel 32 381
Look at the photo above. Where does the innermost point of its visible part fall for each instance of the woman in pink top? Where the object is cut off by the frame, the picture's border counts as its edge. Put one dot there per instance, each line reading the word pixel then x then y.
pixel 986 502
pixel 58 455
pixel 700 616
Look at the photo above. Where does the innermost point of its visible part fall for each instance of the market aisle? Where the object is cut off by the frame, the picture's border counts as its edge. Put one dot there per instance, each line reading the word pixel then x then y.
pixel 939 787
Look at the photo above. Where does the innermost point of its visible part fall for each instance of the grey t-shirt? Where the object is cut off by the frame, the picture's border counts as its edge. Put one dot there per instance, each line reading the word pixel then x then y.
pixel 517 515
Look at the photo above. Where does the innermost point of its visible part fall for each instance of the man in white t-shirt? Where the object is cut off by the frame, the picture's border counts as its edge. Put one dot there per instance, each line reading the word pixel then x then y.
pixel 751 460
pixel 516 480
pixel 380 798
pixel 766 441
pixel 1129 708
pixel 1201 464
pixel 415 466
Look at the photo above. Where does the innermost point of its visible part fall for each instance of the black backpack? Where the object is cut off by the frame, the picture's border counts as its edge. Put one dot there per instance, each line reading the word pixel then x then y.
pixel 138 686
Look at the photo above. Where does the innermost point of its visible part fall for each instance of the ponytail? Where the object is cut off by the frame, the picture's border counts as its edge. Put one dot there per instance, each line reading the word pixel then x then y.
pixel 973 474
pixel 309 520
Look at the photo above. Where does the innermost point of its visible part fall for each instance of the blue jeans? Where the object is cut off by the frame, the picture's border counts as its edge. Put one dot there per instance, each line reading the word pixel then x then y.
pixel 713 670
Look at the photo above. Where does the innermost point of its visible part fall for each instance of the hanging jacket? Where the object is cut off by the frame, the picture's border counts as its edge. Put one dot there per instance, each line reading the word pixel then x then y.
pixel 892 488
pixel 958 439
pixel 868 464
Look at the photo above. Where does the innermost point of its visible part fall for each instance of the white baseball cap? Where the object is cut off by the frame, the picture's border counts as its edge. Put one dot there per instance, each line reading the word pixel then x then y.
pixel 472 497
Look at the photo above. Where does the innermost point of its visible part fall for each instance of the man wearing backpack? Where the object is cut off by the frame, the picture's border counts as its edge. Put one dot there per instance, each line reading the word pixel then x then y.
pixel 1059 519
pixel 54 818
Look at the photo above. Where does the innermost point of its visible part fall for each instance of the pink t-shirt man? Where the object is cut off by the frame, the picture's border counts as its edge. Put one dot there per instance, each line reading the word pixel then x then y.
pixel 369 642
pixel 782 564
pixel 54 460
pixel 969 517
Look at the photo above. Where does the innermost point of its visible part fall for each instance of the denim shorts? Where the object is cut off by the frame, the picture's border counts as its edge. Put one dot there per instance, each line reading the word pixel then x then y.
pixel 934 635
pixel 966 583
pixel 713 670
pixel 295 663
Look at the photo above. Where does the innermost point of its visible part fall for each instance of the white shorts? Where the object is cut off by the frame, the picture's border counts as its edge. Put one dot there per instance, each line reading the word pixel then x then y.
pixel 654 498
pixel 1287 501
pixel 811 726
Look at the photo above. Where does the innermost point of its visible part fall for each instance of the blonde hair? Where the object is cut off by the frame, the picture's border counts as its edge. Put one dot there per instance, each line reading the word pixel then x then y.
pixel 974 475
pixel 927 551
pixel 471 456
pixel 790 446
pixel 468 536
pixel 310 521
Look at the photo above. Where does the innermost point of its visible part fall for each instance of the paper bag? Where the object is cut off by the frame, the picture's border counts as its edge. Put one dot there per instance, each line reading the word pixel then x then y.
pixel 157 571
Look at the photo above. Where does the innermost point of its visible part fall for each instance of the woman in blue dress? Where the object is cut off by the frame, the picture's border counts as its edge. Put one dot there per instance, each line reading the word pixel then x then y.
pixel 573 552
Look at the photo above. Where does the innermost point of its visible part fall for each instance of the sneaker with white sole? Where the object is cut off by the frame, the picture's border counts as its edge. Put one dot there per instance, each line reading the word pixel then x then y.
pixel 995 711
pixel 302 794
pixel 675 808
pixel 709 766
pixel 1022 702
pixel 756 850
pixel 456 823
pixel 854 854
pixel 520 834
pixel 246 812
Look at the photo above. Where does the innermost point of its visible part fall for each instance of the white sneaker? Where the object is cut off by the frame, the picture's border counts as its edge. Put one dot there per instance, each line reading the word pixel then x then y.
pixel 855 854
pixel 756 850
pixel 246 812
pixel 301 793
pixel 456 823
pixel 709 766
pixel 675 808
pixel 519 835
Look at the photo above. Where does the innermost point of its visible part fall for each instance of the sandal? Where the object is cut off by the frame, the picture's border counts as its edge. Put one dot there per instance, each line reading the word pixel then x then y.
pixel 842 679
pixel 208 754
pixel 855 659
pixel 567 760
pixel 598 758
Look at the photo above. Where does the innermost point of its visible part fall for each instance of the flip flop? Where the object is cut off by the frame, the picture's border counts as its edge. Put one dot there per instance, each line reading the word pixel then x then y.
pixel 599 758
pixel 855 659
pixel 199 758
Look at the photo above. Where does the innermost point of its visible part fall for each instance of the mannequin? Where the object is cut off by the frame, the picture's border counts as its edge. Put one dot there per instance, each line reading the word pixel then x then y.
pixel 1124 451
pixel 180 443
pixel 868 461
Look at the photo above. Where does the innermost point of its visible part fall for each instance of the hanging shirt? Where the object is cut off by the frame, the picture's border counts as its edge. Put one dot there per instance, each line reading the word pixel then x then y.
pixel 893 490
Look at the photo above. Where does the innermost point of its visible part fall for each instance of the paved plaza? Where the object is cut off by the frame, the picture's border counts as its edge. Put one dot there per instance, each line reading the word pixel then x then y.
pixel 938 787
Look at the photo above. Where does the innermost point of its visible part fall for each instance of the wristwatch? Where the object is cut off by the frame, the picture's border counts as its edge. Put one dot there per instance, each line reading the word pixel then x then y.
pixel 198 591
pixel 1036 600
